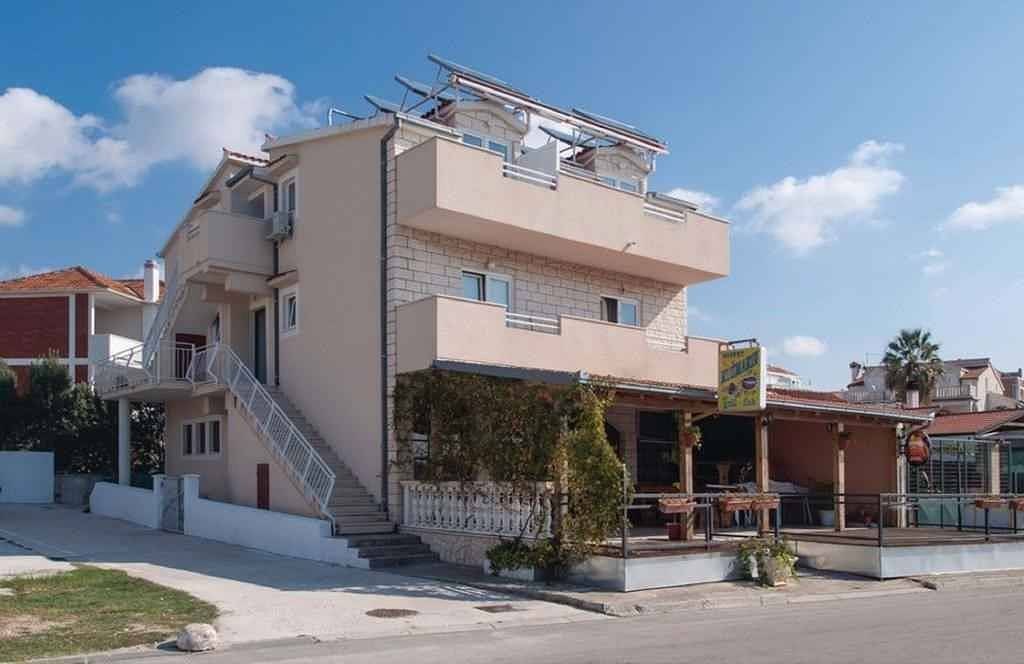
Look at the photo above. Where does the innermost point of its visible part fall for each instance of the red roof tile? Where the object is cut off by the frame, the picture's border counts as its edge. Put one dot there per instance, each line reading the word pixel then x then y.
pixel 774 368
pixel 834 401
pixel 75 278
pixel 245 157
pixel 971 423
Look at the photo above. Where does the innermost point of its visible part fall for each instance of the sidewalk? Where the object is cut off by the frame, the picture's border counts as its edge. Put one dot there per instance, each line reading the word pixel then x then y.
pixel 809 586
pixel 260 595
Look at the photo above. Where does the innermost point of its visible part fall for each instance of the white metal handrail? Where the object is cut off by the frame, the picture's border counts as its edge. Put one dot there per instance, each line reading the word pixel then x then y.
pixel 871 396
pixel 218 363
pixel 533 323
pixel 173 296
pixel 127 369
pixel 491 508
pixel 531 175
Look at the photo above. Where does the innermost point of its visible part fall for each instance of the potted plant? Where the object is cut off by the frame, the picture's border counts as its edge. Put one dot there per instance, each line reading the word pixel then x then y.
pixel 749 557
pixel 779 563
pixel 691 436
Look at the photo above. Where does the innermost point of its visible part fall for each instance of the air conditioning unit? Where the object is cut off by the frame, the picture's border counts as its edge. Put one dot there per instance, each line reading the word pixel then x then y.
pixel 280 225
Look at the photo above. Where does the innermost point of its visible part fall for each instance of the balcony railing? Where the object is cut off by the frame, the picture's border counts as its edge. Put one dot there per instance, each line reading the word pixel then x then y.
pixel 443 328
pixel 129 369
pixel 541 206
pixel 871 396
pixel 955 392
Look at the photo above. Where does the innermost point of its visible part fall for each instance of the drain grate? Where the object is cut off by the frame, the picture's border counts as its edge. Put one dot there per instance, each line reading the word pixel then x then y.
pixel 391 613
pixel 499 608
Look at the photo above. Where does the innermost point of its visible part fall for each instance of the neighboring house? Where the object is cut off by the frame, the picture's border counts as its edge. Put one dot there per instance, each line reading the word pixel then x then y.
pixel 347 255
pixel 67 312
pixel 783 378
pixel 965 385
pixel 978 452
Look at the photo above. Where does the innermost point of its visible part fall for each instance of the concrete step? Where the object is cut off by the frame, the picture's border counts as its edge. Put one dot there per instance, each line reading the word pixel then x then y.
pixel 396 561
pixel 382 539
pixel 351 510
pixel 356 519
pixel 366 528
pixel 393 550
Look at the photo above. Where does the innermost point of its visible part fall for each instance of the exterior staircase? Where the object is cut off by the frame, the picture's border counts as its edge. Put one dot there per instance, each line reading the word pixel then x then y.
pixel 357 517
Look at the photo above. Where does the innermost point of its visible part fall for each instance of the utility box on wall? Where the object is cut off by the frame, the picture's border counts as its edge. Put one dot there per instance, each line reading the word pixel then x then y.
pixel 26 477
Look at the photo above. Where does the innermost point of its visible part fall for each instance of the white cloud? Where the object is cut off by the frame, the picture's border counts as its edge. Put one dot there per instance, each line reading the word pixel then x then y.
pixel 931 253
pixel 703 200
pixel 934 269
pixel 21 270
pixel 801 214
pixel 801 346
pixel 163 120
pixel 11 216
pixel 114 217
pixel 696 313
pixel 1007 206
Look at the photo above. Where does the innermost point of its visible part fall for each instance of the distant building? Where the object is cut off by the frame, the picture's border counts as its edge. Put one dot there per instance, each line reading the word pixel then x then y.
pixel 965 386
pixel 62 312
pixel 783 378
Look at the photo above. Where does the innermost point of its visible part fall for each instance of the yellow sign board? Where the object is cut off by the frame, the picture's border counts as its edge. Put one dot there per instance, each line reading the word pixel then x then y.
pixel 742 377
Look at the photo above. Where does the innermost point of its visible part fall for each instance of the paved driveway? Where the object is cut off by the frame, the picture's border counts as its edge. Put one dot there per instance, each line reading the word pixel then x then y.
pixel 261 595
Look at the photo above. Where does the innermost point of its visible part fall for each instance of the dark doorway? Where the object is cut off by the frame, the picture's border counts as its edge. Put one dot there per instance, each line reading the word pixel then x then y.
pixel 259 344
pixel 263 486
pixel 183 352
pixel 656 440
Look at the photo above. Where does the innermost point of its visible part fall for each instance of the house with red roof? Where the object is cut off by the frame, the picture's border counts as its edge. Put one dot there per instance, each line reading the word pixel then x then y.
pixel 77 314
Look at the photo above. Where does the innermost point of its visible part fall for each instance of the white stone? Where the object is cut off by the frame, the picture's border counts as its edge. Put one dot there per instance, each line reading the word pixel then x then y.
pixel 197 637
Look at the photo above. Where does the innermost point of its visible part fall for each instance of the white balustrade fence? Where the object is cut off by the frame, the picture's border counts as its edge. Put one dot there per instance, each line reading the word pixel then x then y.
pixel 485 508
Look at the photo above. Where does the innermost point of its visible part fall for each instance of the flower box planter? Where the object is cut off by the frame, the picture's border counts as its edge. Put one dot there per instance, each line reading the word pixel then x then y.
pixel 729 505
pixel 676 505
pixel 528 574
pixel 1016 504
pixel 991 503
pixel 765 503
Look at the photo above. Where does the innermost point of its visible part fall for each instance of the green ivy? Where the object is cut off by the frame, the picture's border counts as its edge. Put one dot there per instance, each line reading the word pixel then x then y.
pixel 482 427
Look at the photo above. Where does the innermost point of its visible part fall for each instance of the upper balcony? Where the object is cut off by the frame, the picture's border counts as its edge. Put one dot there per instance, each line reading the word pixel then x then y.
pixel 216 244
pixel 444 328
pixel 473 194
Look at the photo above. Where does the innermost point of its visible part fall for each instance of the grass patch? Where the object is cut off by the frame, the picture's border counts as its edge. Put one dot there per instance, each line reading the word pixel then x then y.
pixel 90 609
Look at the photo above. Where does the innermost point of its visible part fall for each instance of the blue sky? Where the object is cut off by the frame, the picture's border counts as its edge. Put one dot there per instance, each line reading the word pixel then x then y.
pixel 868 154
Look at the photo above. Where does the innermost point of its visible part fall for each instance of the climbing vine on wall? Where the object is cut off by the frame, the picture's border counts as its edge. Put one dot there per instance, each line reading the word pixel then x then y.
pixel 480 427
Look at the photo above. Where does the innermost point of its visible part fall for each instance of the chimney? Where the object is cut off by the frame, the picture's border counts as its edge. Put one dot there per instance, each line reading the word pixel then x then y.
pixel 854 371
pixel 913 399
pixel 151 281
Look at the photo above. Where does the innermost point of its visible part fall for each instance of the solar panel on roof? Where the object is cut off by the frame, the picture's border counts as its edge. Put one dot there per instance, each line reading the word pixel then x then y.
pixel 383 104
pixel 613 124
pixel 423 89
pixel 460 69
pixel 571 140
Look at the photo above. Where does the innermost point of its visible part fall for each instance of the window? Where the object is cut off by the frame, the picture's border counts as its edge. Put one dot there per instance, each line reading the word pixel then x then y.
pixel 493 144
pixel 256 206
pixel 201 438
pixel 289 314
pixel 290 195
pixel 487 287
pixel 620 310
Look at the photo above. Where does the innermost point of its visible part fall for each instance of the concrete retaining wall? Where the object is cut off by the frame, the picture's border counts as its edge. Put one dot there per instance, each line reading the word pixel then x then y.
pixel 26 477
pixel 127 503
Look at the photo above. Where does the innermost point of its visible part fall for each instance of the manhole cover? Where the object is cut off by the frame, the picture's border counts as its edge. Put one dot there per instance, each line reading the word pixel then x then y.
pixel 391 613
pixel 498 608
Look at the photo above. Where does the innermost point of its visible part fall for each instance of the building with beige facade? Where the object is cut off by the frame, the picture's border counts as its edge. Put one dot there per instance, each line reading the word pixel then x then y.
pixel 301 281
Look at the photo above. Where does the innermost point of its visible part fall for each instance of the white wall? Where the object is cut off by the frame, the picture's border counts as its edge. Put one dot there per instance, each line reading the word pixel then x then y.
pixel 127 503
pixel 276 532
pixel 26 477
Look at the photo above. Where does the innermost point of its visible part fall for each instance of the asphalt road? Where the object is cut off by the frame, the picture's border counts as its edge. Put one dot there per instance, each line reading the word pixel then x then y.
pixel 943 627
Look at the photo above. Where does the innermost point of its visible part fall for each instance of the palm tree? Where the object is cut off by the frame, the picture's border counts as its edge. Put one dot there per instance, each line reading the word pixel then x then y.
pixel 912 362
